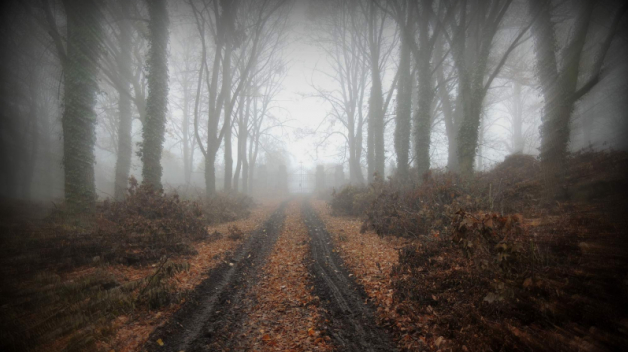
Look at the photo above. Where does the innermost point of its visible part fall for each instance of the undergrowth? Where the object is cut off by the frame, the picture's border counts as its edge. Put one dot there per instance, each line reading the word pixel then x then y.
pixel 495 265
pixel 50 307
pixel 55 282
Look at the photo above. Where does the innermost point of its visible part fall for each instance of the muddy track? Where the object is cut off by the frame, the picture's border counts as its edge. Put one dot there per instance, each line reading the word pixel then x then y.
pixel 352 324
pixel 213 313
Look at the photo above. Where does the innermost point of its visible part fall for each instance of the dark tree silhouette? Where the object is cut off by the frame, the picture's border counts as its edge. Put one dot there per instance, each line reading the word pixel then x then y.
pixel 156 103
pixel 79 60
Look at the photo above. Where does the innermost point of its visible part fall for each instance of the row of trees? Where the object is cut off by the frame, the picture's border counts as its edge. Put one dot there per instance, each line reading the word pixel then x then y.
pixel 110 63
pixel 417 65
pixel 451 54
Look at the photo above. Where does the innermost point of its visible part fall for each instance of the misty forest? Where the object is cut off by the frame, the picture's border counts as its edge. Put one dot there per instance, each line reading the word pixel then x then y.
pixel 314 175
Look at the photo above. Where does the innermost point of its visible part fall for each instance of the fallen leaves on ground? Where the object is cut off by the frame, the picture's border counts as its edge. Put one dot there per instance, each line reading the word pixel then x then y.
pixel 283 316
pixel 368 256
pixel 132 332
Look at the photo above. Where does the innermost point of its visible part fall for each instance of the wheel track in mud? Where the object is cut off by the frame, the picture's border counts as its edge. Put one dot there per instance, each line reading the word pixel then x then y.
pixel 351 322
pixel 213 312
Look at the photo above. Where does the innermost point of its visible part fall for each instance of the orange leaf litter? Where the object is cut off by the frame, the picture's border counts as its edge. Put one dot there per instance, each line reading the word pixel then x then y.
pixel 367 256
pixel 133 331
pixel 284 316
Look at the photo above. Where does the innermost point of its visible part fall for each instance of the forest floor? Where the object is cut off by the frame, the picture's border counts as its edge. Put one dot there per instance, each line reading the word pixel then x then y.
pixel 296 276
pixel 286 288
pixel 534 276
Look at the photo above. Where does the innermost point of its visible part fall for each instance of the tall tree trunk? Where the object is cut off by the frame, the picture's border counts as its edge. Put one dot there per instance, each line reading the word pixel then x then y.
pixel 156 103
pixel 517 119
pixel 358 176
pixel 213 116
pixel 188 145
pixel 468 132
pixel 375 139
pixel 370 148
pixel 227 123
pixel 226 89
pixel 243 135
pixel 355 170
pixel 450 115
pixel 252 154
pixel 125 145
pixel 404 104
pixel 423 124
pixel 471 53
pixel 376 123
pixel 376 114
pixel 79 118
pixel 423 120
pixel 241 148
pixel 245 172
pixel 210 174
pixel 558 88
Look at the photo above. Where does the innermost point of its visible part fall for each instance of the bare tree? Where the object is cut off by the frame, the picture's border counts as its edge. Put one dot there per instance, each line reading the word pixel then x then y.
pixel 377 49
pixel 262 122
pixel 560 80
pixel 471 41
pixel 184 77
pixel 429 25
pixel 341 42
pixel 405 19
pixel 229 27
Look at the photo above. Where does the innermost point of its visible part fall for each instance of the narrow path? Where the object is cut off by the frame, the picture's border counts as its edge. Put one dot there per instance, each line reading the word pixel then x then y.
pixel 282 314
pixel 206 322
pixel 351 322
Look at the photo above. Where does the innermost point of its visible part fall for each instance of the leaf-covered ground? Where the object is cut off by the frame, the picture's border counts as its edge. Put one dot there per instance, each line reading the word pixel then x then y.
pixel 127 332
pixel 284 315
pixel 490 264
pixel 371 259
pixel 134 330
pixel 442 267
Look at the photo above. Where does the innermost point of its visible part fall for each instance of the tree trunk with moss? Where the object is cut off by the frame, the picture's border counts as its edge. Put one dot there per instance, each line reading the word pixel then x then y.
pixel 79 118
pixel 125 146
pixel 156 103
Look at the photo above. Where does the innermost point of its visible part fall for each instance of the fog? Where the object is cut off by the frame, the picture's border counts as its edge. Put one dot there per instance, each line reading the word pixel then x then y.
pixel 266 92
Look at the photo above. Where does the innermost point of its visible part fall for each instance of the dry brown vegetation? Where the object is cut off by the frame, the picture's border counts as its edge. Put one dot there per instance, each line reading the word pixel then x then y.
pixel 284 315
pixel 494 265
pixel 69 282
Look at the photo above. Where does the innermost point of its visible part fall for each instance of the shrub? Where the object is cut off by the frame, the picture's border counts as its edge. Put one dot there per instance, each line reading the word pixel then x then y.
pixel 423 211
pixel 549 277
pixel 225 206
pixel 344 202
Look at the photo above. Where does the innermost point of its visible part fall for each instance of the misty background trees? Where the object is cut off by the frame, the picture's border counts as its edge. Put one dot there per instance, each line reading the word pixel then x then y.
pixel 190 95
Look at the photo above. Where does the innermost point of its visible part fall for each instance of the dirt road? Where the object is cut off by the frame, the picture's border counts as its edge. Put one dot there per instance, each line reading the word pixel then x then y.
pixel 208 319
pixel 351 322
pixel 214 316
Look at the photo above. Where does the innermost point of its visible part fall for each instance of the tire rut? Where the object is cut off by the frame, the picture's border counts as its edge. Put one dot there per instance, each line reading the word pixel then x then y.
pixel 351 322
pixel 213 312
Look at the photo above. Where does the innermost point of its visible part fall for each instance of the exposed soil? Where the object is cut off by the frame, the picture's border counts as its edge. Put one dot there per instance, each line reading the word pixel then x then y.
pixel 213 313
pixel 283 314
pixel 352 324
